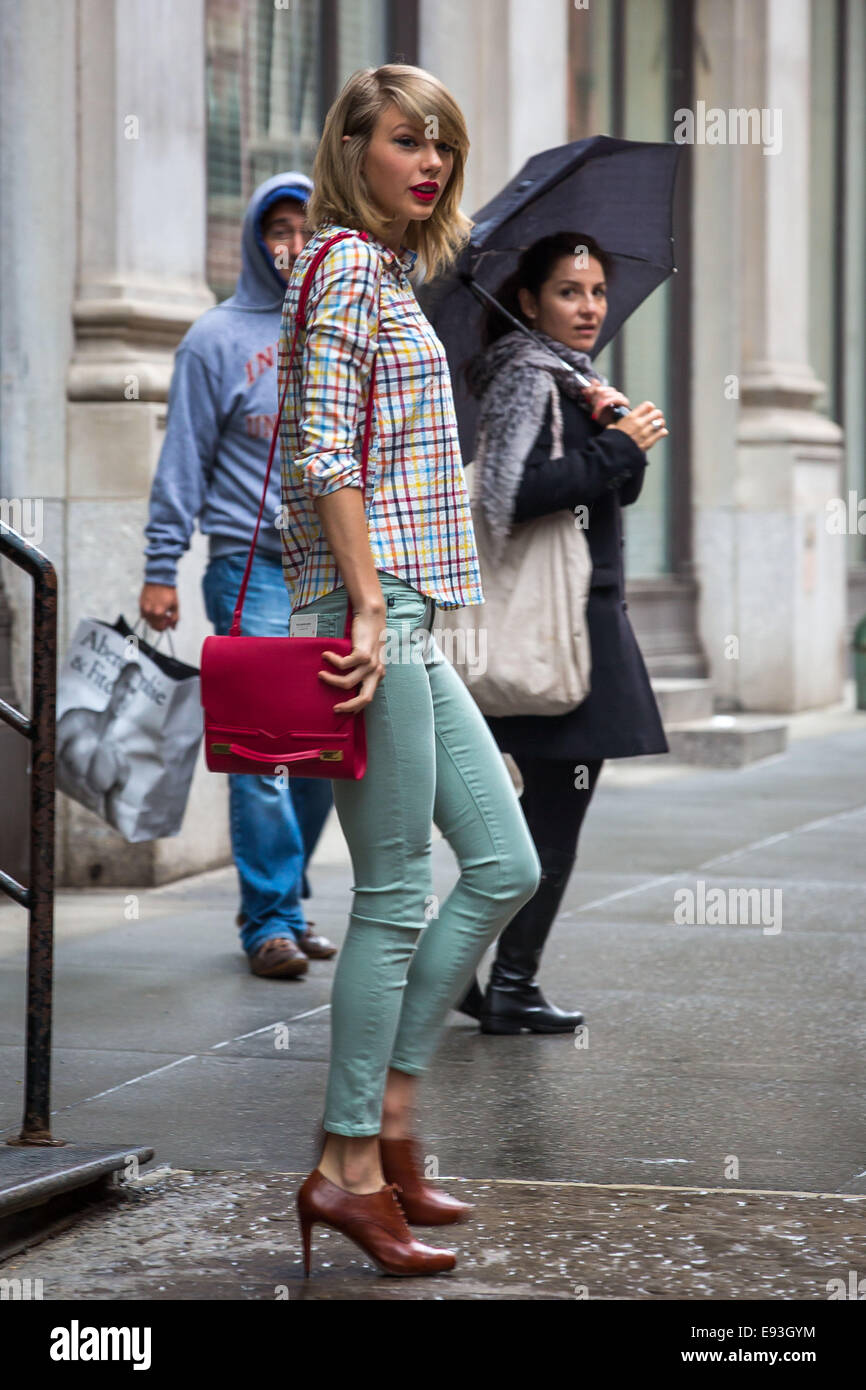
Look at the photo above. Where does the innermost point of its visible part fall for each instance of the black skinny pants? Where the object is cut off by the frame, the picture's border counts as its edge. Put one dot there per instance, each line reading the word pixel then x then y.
pixel 554 807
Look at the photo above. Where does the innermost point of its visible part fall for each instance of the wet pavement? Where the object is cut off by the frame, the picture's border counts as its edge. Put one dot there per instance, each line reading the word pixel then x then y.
pixel 719 1055
pixel 216 1236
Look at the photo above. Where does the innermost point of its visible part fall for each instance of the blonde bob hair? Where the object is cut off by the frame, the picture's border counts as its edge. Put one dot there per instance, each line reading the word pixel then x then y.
pixel 340 194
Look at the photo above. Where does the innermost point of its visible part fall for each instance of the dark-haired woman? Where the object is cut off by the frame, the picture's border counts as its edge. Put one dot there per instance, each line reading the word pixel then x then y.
pixel 578 459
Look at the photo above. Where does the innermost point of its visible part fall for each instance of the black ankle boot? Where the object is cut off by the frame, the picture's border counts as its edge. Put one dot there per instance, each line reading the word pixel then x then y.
pixel 513 999
pixel 515 1005
pixel 472 1001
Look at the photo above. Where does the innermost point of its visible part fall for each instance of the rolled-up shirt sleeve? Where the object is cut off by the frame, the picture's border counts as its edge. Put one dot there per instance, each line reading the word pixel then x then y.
pixel 336 356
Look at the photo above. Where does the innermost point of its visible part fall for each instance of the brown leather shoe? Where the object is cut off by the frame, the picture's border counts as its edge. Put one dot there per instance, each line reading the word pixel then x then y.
pixel 375 1221
pixel 316 947
pixel 279 958
pixel 423 1203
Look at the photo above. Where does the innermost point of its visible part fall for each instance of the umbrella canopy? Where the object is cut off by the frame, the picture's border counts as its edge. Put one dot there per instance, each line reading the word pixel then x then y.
pixel 620 192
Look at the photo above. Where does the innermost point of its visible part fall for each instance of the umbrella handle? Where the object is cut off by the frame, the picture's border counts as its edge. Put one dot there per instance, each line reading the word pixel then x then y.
pixel 486 298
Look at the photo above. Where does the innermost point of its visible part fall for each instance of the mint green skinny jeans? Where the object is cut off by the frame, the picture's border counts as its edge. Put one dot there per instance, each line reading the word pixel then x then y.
pixel 407 958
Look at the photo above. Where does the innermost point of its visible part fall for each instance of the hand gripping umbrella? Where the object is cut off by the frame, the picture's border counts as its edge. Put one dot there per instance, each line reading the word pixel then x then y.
pixel 619 192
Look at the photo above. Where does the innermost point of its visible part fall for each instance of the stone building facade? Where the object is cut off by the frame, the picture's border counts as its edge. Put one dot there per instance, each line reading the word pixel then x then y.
pixel 132 134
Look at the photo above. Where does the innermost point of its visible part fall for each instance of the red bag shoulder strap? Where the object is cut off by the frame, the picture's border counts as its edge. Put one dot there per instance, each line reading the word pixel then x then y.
pixel 234 630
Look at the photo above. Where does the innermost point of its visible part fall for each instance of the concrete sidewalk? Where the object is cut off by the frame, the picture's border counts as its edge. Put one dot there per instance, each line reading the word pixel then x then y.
pixel 718 1057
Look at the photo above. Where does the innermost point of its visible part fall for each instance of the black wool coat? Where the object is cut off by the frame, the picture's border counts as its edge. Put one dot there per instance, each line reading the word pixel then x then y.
pixel 604 470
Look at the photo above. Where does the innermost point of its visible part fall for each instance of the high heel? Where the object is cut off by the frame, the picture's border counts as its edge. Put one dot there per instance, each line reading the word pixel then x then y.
pixel 423 1203
pixel 375 1221
pixel 306 1222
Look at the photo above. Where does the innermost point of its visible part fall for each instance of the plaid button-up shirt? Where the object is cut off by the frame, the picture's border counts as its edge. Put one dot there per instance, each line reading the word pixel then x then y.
pixel 417 504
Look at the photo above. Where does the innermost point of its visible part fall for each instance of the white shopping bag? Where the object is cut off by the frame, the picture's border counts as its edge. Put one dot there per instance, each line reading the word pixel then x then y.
pixel 129 725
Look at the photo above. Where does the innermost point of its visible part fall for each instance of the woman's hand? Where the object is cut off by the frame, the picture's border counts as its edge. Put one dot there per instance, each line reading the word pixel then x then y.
pixel 159 607
pixel 600 398
pixel 364 662
pixel 645 425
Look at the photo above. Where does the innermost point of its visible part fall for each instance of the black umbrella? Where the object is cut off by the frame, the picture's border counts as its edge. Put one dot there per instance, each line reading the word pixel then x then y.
pixel 620 192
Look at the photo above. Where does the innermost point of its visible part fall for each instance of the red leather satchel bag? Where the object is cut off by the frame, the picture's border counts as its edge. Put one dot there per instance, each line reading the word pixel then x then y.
pixel 265 709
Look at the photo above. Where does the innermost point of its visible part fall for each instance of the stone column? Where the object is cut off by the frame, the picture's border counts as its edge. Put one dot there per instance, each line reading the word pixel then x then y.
pixel 772 607
pixel 507 65
pixel 140 283
pixel 104 219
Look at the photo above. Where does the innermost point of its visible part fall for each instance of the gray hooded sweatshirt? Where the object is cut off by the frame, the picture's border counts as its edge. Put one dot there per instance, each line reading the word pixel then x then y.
pixel 222 408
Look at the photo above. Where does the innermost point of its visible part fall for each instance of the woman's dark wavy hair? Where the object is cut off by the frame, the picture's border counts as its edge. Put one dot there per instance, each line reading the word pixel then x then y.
pixel 533 269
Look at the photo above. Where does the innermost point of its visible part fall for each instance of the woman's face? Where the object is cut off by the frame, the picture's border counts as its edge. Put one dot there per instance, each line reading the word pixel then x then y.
pixel 401 157
pixel 572 303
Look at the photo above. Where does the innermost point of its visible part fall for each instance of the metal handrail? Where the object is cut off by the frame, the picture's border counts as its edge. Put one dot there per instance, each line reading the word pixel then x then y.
pixel 38 898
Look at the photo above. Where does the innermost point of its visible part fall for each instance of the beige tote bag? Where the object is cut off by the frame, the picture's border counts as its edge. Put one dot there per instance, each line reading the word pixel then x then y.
pixel 525 650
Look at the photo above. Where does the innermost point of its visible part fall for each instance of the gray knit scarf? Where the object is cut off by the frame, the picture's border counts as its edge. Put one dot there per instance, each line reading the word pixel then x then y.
pixel 515 378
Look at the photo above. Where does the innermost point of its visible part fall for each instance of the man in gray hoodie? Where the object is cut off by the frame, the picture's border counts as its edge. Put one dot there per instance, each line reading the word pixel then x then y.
pixel 222 408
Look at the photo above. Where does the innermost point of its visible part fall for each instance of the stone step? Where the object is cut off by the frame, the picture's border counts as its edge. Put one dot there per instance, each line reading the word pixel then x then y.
pixel 727 740
pixel 43 1185
pixel 30 1174
pixel 681 700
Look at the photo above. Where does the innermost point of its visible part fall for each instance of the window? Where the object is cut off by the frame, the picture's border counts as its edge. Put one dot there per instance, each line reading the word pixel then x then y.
pixel 630 62
pixel 837 217
pixel 272 71
pixel 361 37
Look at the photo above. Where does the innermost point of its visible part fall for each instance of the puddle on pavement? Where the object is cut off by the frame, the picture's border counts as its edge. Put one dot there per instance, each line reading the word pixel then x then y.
pixel 235 1236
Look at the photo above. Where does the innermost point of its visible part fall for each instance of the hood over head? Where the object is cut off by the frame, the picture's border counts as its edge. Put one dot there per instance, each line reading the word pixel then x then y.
pixel 260 285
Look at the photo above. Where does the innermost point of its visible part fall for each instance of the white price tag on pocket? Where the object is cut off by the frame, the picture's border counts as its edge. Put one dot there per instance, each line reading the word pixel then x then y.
pixel 304 625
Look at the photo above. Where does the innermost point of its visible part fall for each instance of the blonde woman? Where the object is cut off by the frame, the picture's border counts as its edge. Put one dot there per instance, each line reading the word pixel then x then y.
pixel 390 169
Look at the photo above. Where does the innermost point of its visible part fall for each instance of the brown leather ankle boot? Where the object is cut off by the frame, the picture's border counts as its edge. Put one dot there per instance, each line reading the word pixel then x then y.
pixel 375 1221
pixel 423 1203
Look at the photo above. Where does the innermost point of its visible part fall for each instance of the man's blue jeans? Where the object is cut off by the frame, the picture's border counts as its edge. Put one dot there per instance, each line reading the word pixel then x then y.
pixel 274 830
